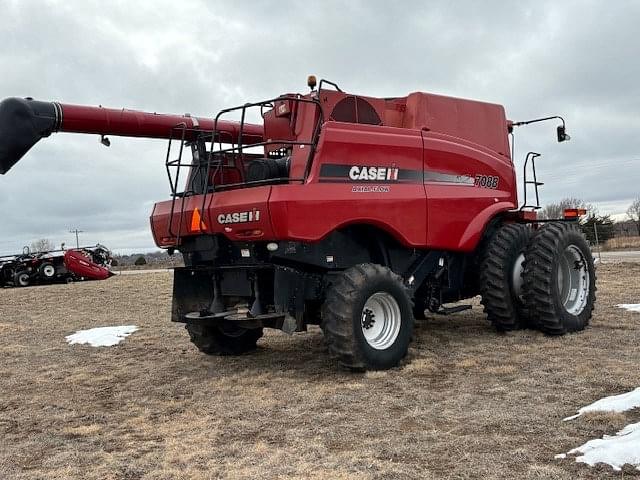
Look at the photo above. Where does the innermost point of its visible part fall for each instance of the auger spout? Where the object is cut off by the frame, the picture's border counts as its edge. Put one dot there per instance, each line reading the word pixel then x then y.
pixel 24 122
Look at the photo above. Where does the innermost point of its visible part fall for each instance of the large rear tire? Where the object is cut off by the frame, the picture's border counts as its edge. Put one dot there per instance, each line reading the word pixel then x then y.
pixel 224 339
pixel 559 279
pixel 501 278
pixel 367 318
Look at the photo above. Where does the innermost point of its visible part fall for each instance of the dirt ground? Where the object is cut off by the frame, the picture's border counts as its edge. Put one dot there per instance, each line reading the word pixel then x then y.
pixel 467 403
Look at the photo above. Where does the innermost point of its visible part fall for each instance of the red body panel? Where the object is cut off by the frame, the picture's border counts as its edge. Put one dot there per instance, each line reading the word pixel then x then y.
pixel 458 208
pixel 82 266
pixel 249 200
pixel 311 211
pixel 432 173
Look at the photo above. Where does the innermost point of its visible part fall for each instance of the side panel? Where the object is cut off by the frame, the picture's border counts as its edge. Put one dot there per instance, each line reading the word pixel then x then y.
pixel 466 185
pixel 361 174
pixel 238 214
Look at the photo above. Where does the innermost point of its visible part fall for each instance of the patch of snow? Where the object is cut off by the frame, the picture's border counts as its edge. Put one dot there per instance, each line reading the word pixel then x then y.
pixel 101 336
pixel 615 403
pixel 615 450
pixel 560 456
pixel 632 307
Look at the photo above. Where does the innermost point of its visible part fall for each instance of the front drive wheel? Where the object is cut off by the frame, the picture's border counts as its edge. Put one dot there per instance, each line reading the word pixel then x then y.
pixel 223 339
pixel 367 318
pixel 559 279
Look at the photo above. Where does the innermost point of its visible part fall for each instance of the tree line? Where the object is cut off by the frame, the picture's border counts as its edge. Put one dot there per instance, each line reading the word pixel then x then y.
pixel 594 223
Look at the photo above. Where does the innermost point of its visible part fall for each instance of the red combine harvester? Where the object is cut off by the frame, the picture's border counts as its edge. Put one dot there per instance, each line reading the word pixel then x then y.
pixel 350 212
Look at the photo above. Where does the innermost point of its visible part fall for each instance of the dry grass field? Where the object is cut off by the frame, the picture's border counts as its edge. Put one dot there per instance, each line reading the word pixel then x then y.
pixel 622 243
pixel 468 403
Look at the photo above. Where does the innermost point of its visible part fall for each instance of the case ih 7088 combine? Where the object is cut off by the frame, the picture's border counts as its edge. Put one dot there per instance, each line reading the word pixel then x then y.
pixel 351 212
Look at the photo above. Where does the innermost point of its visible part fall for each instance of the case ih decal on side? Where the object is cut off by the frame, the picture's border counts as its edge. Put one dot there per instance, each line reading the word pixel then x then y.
pixel 483 181
pixel 239 217
pixel 440 177
pixel 422 230
pixel 336 173
pixel 374 174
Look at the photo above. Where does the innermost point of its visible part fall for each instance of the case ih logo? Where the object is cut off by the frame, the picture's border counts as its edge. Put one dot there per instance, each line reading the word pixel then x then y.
pixel 239 217
pixel 373 173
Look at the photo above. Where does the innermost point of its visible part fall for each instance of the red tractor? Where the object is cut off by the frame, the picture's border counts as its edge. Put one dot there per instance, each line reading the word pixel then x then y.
pixel 354 213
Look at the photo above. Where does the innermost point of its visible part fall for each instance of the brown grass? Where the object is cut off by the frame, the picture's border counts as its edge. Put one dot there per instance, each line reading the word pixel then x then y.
pixel 468 403
pixel 622 243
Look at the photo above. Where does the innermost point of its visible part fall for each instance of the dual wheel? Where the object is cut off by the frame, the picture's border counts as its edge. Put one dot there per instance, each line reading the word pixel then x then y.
pixel 543 279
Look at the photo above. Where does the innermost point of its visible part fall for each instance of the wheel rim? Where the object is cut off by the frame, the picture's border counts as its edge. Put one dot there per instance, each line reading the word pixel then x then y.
pixel 516 276
pixel 48 271
pixel 573 280
pixel 380 321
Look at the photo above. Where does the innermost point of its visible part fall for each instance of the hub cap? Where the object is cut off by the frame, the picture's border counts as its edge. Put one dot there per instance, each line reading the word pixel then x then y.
pixel 381 320
pixel 573 280
pixel 516 276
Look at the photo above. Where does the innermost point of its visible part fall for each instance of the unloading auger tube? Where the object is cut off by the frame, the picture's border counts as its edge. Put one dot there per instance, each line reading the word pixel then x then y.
pixel 23 122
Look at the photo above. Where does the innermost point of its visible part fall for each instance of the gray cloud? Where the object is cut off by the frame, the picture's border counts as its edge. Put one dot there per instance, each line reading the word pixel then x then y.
pixel 578 59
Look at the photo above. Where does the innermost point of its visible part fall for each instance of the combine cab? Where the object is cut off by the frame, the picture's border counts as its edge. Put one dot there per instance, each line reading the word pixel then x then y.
pixel 354 213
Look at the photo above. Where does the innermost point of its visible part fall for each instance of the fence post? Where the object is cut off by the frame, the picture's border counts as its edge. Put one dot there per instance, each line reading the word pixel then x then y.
pixel 595 230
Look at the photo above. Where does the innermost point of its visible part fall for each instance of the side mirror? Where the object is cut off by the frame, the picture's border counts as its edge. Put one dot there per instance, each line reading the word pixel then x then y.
pixel 563 136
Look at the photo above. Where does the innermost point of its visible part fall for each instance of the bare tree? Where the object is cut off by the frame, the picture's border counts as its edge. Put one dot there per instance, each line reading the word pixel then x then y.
pixel 42 245
pixel 633 212
pixel 556 210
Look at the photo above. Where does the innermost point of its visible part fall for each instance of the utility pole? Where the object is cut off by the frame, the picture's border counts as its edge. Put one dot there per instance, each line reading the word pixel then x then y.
pixel 76 231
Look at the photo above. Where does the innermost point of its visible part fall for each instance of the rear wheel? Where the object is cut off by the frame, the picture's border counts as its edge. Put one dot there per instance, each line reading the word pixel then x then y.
pixel 559 279
pixel 22 279
pixel 223 339
pixel 501 280
pixel 367 318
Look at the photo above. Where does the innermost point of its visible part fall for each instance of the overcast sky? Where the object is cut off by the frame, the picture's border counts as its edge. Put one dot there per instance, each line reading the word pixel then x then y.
pixel 577 59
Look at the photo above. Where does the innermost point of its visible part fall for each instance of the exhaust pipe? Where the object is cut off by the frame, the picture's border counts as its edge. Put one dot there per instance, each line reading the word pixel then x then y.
pixel 23 122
